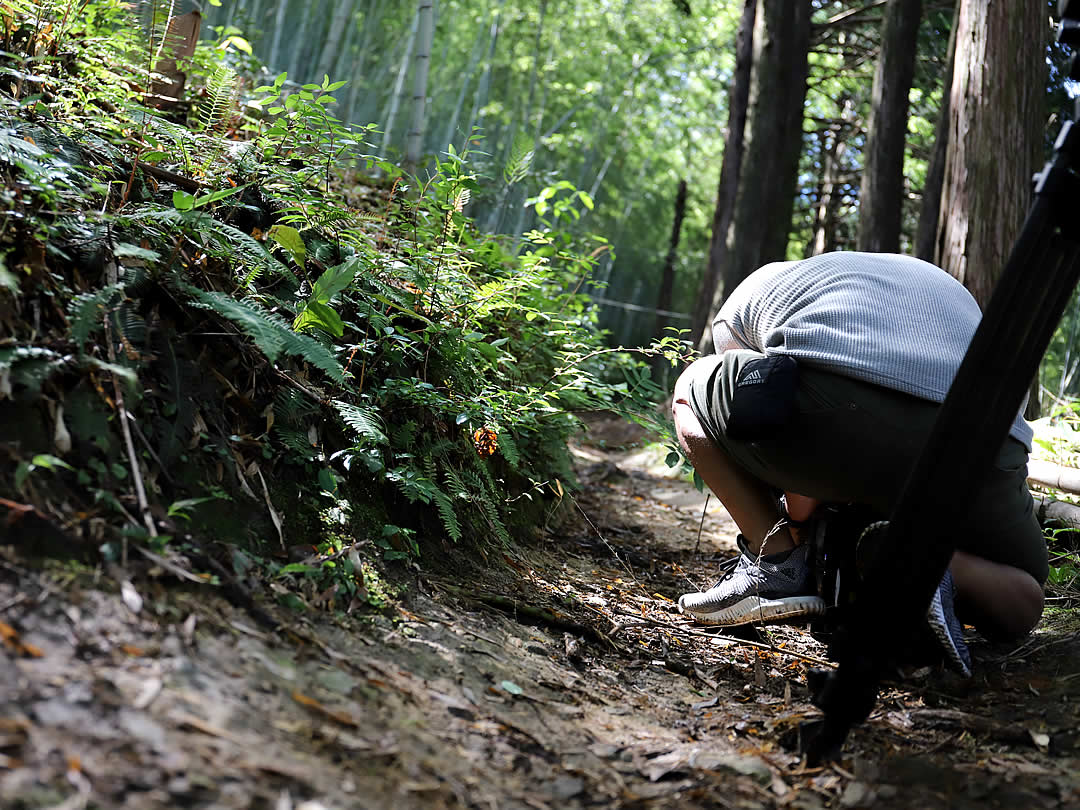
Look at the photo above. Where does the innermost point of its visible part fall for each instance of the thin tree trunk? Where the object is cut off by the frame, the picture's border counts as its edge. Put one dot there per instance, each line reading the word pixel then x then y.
pixel 343 54
pixel 299 61
pixel 667 277
pixel 328 58
pixel 279 30
pixel 768 175
pixel 833 149
pixel 399 85
pixel 881 194
pixel 476 118
pixel 926 244
pixel 426 31
pixel 738 101
pixel 467 76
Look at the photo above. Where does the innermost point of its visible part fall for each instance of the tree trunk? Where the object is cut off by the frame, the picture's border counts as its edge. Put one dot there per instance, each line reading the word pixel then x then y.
pixel 926 239
pixel 338 25
pixel 466 77
pixel 425 34
pixel 995 124
pixel 833 147
pixel 279 30
pixel 399 85
pixel 730 164
pixel 476 119
pixel 667 278
pixel 767 180
pixel 1056 513
pixel 881 193
pixel 299 57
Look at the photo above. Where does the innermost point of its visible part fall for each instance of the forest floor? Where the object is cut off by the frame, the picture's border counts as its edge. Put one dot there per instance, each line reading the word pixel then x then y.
pixel 560 676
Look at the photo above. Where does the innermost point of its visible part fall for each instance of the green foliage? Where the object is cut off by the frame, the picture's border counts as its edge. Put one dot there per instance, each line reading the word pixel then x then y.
pixel 87 312
pixel 272 335
pixel 400 377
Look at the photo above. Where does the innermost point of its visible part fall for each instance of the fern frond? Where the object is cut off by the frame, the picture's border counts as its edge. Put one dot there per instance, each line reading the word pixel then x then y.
pixel 220 89
pixel 30 366
pixel 509 449
pixel 87 312
pixel 457 486
pixel 364 421
pixel 293 408
pixel 233 243
pixel 449 518
pixel 271 334
pixel 444 504
pixel 461 199
pixel 295 440
pixel 520 160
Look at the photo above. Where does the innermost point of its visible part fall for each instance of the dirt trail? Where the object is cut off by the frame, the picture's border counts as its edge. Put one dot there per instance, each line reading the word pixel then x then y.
pixel 560 677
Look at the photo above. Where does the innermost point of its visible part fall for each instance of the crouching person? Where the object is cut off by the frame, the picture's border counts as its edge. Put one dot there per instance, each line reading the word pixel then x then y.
pixel 826 379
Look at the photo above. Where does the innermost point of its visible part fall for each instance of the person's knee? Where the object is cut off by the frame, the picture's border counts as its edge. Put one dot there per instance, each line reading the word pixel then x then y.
pixel 1028 601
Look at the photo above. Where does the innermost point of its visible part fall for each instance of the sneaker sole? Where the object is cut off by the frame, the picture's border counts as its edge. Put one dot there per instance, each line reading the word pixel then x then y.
pixel 757 609
pixel 935 618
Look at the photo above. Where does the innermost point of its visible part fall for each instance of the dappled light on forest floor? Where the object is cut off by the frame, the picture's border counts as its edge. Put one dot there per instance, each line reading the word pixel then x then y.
pixel 558 676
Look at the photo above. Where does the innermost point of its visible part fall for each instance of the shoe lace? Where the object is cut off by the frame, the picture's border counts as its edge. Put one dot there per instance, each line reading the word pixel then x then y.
pixel 727 567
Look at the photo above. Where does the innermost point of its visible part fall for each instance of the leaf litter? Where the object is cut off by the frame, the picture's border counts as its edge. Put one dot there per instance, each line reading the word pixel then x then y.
pixel 565 678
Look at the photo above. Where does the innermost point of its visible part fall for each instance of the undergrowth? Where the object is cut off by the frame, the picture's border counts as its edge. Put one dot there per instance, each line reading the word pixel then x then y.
pixel 214 322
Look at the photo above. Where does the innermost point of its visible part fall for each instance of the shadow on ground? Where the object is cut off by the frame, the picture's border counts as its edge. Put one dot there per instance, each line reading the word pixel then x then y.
pixel 557 677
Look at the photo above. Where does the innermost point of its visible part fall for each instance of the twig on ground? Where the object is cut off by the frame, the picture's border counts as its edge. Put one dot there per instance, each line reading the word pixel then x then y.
pixel 542 615
pixel 603 540
pixel 747 642
pixel 125 429
pixel 701 525
pixel 974 723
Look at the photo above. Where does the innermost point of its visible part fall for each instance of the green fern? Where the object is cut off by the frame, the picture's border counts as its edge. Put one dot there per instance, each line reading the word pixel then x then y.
pixel 296 440
pixel 509 449
pixel 220 91
pixel 487 502
pixel 444 504
pixel 232 243
pixel 87 312
pixel 293 408
pixel 28 367
pixel 521 156
pixel 271 334
pixel 364 421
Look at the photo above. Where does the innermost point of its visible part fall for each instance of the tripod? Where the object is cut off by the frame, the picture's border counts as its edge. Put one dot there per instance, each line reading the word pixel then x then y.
pixel 1024 310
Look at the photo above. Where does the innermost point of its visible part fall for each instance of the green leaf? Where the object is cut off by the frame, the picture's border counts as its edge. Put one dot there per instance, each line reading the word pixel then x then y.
pixel 49 462
pixel 699 482
pixel 214 196
pixel 130 251
pixel 290 239
pixel 327 480
pixel 318 315
pixel 512 688
pixel 297 568
pixel 182 201
pixel 365 421
pixel 234 41
pixel 333 280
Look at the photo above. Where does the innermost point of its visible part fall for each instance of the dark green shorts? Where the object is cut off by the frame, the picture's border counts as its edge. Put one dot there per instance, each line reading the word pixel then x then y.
pixel 853 442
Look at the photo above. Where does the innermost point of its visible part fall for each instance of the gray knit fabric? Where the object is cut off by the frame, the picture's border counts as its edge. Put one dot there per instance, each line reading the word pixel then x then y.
pixel 895 321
